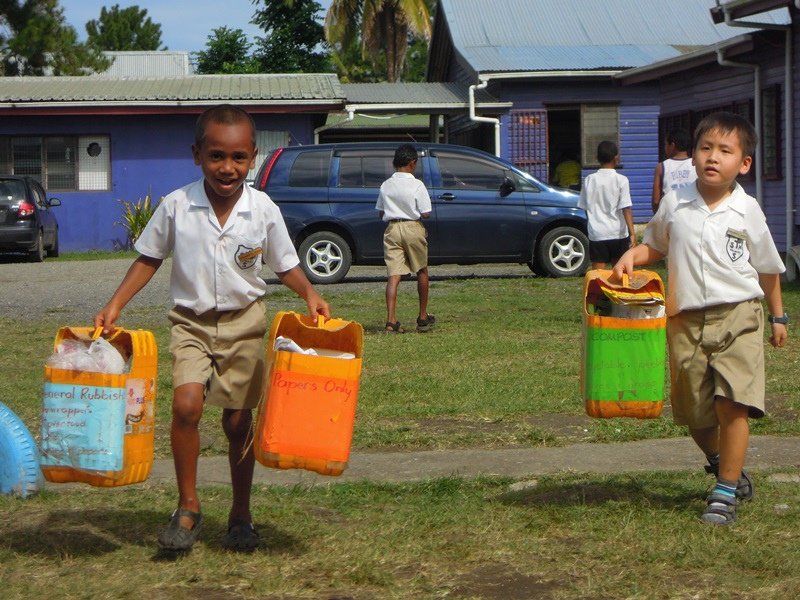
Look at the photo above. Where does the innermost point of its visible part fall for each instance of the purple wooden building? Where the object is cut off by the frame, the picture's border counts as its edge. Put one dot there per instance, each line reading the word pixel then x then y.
pixel 560 63
pixel 755 75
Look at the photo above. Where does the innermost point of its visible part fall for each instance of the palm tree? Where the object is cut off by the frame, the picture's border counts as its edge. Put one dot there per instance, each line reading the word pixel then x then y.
pixel 383 25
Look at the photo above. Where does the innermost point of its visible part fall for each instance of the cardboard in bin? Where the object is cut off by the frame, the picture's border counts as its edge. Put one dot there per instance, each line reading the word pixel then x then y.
pixel 306 417
pixel 624 345
pixel 98 428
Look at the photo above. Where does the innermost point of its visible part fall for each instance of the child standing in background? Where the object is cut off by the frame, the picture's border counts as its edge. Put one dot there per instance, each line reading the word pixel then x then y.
pixel 606 198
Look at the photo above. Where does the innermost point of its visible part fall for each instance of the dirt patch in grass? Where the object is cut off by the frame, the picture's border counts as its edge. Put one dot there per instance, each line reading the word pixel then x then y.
pixel 498 581
pixel 779 409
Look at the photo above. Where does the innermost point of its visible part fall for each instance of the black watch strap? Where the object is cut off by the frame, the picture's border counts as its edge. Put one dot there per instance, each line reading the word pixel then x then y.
pixel 783 320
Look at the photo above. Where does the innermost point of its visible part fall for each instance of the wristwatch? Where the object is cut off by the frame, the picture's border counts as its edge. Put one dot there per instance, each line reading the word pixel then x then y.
pixel 782 320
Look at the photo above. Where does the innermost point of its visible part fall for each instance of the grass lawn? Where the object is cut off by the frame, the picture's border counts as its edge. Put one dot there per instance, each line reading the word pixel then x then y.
pixel 501 370
pixel 575 537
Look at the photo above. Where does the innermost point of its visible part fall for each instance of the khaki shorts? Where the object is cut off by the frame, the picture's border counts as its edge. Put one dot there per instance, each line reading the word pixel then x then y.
pixel 222 350
pixel 717 351
pixel 405 247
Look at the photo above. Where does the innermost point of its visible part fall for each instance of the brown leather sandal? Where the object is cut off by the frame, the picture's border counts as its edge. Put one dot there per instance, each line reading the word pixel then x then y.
pixel 394 327
pixel 177 538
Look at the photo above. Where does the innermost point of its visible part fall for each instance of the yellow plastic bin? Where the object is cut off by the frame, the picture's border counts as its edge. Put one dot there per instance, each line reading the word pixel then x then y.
pixel 624 345
pixel 306 418
pixel 98 428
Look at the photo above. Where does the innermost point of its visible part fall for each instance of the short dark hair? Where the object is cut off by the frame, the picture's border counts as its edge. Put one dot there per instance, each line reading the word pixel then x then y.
pixel 681 139
pixel 404 155
pixel 225 114
pixel 727 122
pixel 606 151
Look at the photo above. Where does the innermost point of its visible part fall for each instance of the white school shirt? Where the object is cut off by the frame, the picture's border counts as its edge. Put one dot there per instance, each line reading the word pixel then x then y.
pixel 712 257
pixel 676 174
pixel 217 267
pixel 403 196
pixel 603 196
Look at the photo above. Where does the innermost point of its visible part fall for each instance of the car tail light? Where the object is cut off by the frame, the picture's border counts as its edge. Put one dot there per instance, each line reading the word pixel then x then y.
pixel 262 183
pixel 25 209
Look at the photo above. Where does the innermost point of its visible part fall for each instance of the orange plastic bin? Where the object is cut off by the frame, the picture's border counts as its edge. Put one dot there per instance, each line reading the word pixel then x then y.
pixel 98 428
pixel 306 418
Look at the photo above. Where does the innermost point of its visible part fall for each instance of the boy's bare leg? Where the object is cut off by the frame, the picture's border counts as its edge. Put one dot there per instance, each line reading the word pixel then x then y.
pixel 706 439
pixel 729 440
pixel 391 298
pixel 187 408
pixel 599 265
pixel 734 435
pixel 236 424
pixel 423 285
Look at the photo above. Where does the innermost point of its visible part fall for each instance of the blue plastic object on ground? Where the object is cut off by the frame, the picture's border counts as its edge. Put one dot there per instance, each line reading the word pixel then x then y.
pixel 20 473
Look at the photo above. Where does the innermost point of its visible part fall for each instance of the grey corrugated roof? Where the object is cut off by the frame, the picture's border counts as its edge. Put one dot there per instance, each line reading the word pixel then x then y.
pixel 145 63
pixel 547 35
pixel 426 94
pixel 196 89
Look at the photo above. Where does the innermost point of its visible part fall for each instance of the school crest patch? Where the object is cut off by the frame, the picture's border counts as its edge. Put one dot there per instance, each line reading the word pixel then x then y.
pixel 247 257
pixel 735 247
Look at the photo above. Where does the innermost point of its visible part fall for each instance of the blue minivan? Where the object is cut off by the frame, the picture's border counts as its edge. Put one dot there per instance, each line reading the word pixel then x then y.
pixel 485 210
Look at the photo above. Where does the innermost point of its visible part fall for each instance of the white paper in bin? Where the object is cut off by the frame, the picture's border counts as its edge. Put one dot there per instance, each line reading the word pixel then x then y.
pixel 637 311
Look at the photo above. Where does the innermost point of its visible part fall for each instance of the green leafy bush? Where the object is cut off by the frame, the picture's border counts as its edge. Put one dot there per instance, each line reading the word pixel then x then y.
pixel 135 216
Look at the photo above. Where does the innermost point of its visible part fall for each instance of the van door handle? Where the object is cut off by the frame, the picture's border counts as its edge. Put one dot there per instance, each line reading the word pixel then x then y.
pixel 448 197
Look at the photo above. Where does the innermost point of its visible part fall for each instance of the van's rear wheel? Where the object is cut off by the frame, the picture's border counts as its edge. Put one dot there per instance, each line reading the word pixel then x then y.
pixel 325 257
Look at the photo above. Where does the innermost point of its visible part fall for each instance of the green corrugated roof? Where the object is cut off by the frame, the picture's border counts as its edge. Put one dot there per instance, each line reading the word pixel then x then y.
pixel 425 94
pixel 262 89
pixel 340 121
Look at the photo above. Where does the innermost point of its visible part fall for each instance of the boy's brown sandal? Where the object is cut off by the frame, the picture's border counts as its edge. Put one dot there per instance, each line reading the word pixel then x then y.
pixel 178 538
pixel 241 537
pixel 426 324
pixel 394 327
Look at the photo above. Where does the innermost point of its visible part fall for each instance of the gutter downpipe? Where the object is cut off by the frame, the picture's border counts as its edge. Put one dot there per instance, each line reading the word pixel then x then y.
pixel 757 102
pixel 350 116
pixel 473 117
pixel 788 123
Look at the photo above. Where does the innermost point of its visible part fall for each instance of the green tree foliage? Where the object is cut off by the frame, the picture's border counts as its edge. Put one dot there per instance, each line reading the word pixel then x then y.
pixel 352 67
pixel 293 39
pixel 227 51
pixel 124 29
pixel 35 39
pixel 383 28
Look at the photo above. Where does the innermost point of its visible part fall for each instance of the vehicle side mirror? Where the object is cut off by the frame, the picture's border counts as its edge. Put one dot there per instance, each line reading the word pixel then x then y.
pixel 53 202
pixel 507 187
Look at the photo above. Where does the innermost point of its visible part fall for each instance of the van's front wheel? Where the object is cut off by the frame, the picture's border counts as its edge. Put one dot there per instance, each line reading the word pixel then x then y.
pixel 325 257
pixel 562 252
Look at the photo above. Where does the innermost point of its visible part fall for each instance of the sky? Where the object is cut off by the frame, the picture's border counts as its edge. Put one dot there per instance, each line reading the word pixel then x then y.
pixel 185 24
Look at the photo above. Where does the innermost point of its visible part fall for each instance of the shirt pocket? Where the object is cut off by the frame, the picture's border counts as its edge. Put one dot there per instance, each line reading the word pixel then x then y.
pixel 735 251
pixel 247 252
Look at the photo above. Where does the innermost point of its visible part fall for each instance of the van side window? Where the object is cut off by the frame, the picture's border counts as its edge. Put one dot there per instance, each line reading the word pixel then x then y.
pixel 377 169
pixel 310 169
pixel 369 171
pixel 469 173
pixel 350 172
